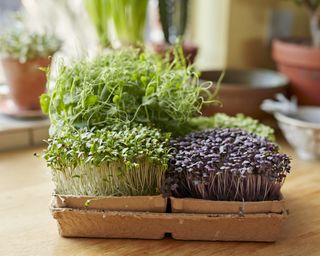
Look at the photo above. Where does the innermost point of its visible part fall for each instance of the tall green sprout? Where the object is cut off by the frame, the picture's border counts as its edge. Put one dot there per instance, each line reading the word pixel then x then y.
pixel 123 87
pixel 100 12
pixel 129 18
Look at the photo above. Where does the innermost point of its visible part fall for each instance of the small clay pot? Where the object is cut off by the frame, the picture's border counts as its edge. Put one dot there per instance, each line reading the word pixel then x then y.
pixel 189 51
pixel 26 81
pixel 301 64
pixel 242 91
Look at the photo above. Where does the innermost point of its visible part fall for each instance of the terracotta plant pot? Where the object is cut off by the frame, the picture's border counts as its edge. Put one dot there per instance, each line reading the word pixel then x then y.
pixel 26 81
pixel 242 91
pixel 301 64
pixel 190 51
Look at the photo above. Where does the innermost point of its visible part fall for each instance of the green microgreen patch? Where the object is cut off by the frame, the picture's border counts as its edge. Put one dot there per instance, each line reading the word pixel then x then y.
pixel 221 120
pixel 127 160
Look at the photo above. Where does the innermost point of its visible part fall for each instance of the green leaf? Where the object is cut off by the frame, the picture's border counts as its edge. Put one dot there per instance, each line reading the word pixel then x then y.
pixel 45 102
pixel 116 99
pixel 91 100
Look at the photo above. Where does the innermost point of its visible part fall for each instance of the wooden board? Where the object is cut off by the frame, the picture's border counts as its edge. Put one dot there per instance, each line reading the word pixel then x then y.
pixel 27 227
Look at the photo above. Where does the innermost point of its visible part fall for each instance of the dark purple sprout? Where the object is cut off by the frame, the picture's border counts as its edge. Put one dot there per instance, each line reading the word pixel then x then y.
pixel 226 164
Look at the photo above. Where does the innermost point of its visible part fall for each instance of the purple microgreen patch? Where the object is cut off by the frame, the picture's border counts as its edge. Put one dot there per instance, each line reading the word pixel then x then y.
pixel 226 164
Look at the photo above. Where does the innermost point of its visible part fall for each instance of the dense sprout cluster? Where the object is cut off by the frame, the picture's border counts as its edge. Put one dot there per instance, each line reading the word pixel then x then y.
pixel 128 160
pixel 244 122
pixel 93 146
pixel 226 164
pixel 124 86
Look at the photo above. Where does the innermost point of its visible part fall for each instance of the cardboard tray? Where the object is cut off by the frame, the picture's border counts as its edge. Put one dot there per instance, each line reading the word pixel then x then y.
pixel 112 203
pixel 98 223
pixel 191 205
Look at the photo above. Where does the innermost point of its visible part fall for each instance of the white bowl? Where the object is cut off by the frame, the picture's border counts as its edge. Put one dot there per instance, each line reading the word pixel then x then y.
pixel 302 131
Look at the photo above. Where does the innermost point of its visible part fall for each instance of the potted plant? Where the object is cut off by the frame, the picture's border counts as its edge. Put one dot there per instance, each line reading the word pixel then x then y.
pixel 174 19
pixel 116 169
pixel 299 59
pixel 109 149
pixel 243 220
pixel 23 53
pixel 228 171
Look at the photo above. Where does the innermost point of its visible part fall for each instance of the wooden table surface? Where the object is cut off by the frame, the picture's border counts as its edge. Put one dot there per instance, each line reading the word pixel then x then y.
pixel 27 228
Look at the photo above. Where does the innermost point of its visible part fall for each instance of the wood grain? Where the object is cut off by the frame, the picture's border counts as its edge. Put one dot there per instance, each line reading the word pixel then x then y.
pixel 27 228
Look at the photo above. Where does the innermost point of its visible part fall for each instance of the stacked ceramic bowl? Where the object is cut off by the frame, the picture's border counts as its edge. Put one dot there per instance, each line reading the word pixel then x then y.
pixel 302 131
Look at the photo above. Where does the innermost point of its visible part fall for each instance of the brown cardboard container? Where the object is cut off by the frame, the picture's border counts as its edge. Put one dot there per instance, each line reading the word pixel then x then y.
pixel 191 205
pixel 112 203
pixel 259 227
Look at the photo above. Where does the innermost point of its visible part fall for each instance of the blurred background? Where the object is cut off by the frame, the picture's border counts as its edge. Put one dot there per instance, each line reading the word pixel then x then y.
pixel 229 33
pixel 241 37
